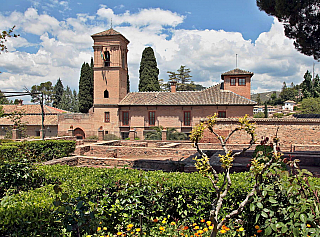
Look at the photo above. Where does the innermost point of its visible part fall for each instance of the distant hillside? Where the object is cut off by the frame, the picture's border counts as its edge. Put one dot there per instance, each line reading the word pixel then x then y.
pixel 264 96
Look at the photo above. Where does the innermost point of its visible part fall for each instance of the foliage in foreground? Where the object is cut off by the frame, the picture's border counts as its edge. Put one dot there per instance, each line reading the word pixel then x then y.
pixel 89 199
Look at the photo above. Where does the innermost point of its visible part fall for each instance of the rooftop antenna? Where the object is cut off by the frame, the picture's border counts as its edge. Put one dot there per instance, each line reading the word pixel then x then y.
pixel 236 60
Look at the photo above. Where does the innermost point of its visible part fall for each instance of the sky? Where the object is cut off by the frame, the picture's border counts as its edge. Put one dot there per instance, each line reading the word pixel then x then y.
pixel 204 35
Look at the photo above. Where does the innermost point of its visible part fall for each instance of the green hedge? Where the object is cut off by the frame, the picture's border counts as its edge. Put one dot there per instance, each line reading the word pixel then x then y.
pixel 149 194
pixel 38 150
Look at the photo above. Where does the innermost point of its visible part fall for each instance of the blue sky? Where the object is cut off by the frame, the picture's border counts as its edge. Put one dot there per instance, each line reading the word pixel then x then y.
pixel 203 35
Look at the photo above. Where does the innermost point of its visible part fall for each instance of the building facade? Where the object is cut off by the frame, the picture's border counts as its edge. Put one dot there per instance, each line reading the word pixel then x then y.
pixel 117 112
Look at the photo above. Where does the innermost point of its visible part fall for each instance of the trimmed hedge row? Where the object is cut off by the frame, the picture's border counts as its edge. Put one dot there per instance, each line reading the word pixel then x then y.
pixel 37 151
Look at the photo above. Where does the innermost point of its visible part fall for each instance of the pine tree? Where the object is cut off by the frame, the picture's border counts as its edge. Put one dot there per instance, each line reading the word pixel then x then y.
pixel 148 72
pixel 85 88
pixel 307 88
pixel 47 90
pixel 57 93
pixel 316 86
pixel 66 100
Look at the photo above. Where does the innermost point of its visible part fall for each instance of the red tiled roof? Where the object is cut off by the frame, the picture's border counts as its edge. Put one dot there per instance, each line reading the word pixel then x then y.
pixel 211 96
pixel 109 32
pixel 32 120
pixel 32 109
pixel 236 71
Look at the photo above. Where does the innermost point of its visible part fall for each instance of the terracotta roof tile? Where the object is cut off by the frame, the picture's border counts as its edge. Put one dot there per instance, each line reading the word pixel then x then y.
pixel 32 120
pixel 236 71
pixel 111 31
pixel 211 96
pixel 32 109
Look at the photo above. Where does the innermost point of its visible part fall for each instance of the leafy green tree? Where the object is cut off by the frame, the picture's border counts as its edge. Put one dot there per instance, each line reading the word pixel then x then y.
pixel 148 72
pixel 288 93
pixel 307 87
pixel 154 134
pixel 3 38
pixel 47 90
pixel 183 79
pixel 75 102
pixel 3 100
pixel 310 106
pixel 164 86
pixel 301 20
pixel 85 88
pixel 57 93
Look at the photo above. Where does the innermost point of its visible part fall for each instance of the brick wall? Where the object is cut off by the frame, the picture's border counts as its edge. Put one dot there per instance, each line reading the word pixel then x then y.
pixel 291 131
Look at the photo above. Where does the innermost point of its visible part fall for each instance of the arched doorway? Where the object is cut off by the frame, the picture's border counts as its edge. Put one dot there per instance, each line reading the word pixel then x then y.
pixel 79 133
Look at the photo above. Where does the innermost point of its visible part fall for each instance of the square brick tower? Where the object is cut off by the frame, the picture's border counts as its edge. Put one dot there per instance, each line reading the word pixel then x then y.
pixel 238 81
pixel 110 78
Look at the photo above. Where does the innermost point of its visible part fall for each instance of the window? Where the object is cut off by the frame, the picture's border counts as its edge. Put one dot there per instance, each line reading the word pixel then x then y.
pixel 233 81
pixel 106 94
pixel 125 118
pixel 222 114
pixel 106 59
pixel 107 117
pixel 152 118
pixel 187 118
pixel 242 81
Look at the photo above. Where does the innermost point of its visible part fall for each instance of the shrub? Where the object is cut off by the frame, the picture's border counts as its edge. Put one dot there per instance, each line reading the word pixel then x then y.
pixel 8 152
pixel 278 115
pixel 38 150
pixel 259 115
pixel 92 138
pixel 108 137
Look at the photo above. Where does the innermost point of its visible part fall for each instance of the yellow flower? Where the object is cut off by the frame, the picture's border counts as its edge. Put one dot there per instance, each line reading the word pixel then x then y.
pixel 196 227
pixel 225 228
pixel 172 223
pixel 164 221
pixel 200 231
pixel 99 228
pixel 194 224
pixel 130 226
pixel 208 223
pixel 138 229
pixel 257 227
pixel 119 233
pixel 205 229
pixel 161 228
pixel 223 231
pixel 105 228
pixel 202 220
pixel 211 227
pixel 89 236
pixel 241 229
pixel 308 225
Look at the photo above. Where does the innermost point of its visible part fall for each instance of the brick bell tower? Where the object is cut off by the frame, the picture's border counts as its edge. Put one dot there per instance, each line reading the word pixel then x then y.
pixel 110 67
pixel 110 79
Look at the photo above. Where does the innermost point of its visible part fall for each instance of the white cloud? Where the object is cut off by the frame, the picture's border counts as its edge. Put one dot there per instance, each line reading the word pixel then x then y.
pixel 65 45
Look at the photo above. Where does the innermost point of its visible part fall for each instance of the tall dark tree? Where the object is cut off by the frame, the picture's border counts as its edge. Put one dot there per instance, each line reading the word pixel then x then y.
pixel 57 93
pixel 307 87
pixel 148 72
pixel 316 86
pixel 75 102
pixel 85 88
pixel 66 100
pixel 265 110
pixel 301 20
pixel 288 93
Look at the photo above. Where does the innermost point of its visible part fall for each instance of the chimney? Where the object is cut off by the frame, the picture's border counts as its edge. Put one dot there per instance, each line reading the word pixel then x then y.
pixel 173 86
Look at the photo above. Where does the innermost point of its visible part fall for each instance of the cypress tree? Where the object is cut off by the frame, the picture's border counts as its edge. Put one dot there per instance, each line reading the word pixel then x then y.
pixel 85 88
pixel 265 110
pixel 57 93
pixel 148 72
